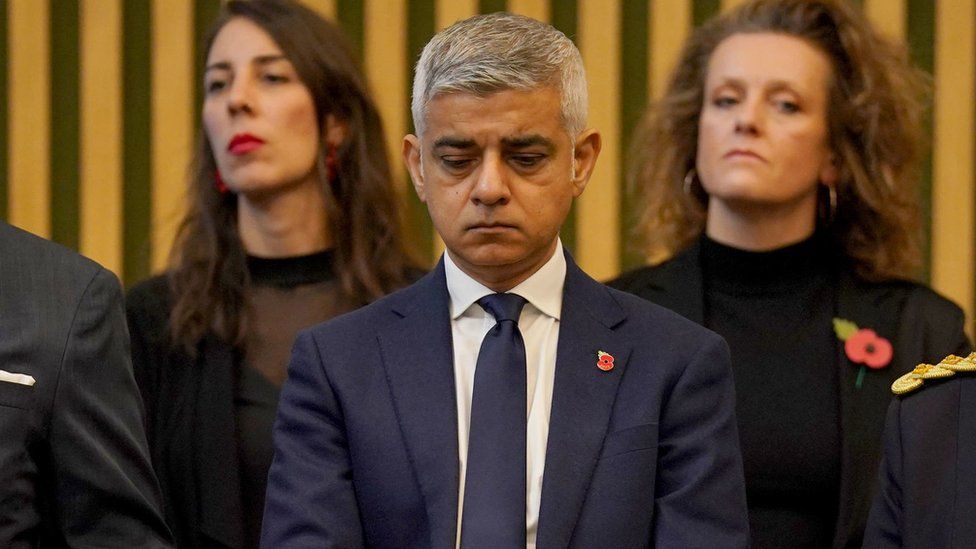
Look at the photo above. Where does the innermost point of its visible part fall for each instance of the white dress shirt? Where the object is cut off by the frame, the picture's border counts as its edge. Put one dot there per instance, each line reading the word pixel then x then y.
pixel 539 324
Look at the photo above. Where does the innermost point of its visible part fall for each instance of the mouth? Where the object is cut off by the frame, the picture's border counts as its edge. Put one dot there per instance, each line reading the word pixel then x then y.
pixel 491 227
pixel 244 143
pixel 743 154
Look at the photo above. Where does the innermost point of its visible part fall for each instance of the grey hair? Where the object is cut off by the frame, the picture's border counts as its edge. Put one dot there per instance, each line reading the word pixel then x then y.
pixel 501 51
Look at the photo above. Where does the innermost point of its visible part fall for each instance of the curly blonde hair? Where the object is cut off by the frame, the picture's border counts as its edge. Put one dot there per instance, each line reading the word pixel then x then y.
pixel 876 108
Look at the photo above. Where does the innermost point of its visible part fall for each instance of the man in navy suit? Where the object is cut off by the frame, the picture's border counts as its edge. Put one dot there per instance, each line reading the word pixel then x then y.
pixel 400 426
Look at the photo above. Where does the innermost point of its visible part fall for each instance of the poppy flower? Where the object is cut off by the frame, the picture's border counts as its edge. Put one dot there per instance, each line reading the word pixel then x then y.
pixel 867 347
pixel 604 361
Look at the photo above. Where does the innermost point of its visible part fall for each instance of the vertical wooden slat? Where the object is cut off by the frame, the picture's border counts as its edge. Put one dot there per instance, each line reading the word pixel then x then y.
pixel 173 111
pixel 889 16
pixel 421 25
pixel 137 140
pixel 29 116
pixel 65 113
pixel 385 48
pixel 598 234
pixel 953 219
pixel 4 56
pixel 101 132
pixel 670 23
pixel 634 93
pixel 536 9
pixel 447 12
pixel 489 6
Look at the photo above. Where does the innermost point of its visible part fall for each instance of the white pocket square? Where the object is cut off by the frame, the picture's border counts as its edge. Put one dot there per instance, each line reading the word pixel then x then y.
pixel 21 379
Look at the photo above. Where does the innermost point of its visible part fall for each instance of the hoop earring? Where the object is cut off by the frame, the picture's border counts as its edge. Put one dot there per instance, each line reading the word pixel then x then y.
pixel 332 163
pixel 832 202
pixel 827 212
pixel 689 180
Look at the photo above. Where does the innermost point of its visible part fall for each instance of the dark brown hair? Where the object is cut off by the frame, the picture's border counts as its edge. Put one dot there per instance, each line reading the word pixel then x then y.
pixel 208 272
pixel 875 113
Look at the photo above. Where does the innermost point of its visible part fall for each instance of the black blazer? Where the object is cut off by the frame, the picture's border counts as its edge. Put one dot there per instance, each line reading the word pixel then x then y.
pixel 921 325
pixel 928 474
pixel 74 467
pixel 190 423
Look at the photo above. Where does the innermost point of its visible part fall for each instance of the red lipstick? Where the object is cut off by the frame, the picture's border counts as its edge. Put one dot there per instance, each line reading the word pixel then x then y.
pixel 244 143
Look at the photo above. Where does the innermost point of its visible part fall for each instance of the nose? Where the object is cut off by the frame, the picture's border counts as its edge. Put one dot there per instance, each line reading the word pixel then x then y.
pixel 748 118
pixel 239 97
pixel 491 187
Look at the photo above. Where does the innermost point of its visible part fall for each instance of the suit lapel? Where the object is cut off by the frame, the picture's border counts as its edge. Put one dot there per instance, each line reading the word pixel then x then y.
pixel 863 409
pixel 221 511
pixel 418 358
pixel 582 402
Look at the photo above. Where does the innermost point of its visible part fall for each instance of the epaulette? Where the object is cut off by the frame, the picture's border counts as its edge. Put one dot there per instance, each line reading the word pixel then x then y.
pixel 950 366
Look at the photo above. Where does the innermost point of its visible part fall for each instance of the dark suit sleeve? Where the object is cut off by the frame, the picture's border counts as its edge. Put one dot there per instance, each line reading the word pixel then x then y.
pixel 700 494
pixel 310 501
pixel 884 522
pixel 105 494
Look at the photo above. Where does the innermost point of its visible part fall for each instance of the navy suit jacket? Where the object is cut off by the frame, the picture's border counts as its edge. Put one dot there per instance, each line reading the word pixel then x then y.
pixel 647 454
pixel 927 493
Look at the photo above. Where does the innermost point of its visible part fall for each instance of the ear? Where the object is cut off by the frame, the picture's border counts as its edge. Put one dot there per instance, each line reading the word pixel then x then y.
pixel 411 157
pixel 829 172
pixel 587 149
pixel 335 130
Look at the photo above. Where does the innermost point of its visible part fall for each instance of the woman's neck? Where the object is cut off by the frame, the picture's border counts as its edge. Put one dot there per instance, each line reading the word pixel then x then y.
pixel 284 224
pixel 759 228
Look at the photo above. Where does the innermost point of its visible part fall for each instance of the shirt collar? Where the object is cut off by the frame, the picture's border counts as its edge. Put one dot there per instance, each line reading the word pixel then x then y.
pixel 543 290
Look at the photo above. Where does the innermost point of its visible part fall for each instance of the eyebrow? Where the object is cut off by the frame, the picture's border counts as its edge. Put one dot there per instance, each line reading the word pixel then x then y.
pixel 259 60
pixel 454 142
pixel 772 85
pixel 525 141
pixel 520 142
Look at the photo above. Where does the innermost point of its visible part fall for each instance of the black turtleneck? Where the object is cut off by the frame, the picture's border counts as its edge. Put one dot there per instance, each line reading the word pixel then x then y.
pixel 285 295
pixel 775 309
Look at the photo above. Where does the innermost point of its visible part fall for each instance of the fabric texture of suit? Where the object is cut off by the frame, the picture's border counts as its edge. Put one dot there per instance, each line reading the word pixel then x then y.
pixel 928 474
pixel 366 441
pixel 74 466
pixel 190 423
pixel 921 325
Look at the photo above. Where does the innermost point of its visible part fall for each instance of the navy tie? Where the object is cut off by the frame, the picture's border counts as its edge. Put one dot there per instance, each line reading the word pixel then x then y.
pixel 494 487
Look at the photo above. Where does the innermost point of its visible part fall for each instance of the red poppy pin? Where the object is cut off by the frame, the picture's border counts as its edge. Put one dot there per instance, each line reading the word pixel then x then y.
pixel 604 361
pixel 863 346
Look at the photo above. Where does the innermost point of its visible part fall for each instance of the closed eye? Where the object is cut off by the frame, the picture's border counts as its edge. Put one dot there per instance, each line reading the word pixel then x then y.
pixel 527 160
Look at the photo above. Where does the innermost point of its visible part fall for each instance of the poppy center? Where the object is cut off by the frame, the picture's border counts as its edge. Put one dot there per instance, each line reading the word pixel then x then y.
pixel 869 348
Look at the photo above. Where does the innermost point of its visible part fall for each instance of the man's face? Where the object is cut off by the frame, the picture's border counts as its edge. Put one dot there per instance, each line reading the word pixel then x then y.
pixel 498 175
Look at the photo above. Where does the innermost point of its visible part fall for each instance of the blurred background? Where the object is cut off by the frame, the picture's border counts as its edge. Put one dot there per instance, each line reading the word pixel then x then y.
pixel 99 104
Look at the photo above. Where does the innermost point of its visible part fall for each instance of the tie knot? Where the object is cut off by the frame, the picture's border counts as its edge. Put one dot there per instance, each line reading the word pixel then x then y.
pixel 503 306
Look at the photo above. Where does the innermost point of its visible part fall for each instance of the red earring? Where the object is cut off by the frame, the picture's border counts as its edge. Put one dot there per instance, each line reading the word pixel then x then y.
pixel 332 163
pixel 219 183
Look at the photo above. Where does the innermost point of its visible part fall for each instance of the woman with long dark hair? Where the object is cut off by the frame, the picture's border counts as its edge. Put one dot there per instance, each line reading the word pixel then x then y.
pixel 779 176
pixel 293 219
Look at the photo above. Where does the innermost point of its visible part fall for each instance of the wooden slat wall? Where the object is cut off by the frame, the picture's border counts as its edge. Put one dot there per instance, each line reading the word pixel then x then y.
pixel 134 138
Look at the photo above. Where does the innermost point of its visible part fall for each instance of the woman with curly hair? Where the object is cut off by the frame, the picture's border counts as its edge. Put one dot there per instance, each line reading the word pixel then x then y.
pixel 778 177
pixel 293 219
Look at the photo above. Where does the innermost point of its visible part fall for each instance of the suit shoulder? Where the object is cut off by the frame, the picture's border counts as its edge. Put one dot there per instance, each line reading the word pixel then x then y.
pixel 935 377
pixel 651 318
pixel 363 319
pixel 45 255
